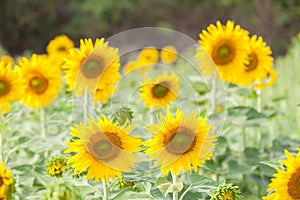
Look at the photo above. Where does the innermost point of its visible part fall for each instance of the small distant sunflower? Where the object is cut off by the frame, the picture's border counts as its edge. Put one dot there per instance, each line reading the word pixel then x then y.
pixel 179 142
pixel 161 90
pixel 93 66
pixel 142 66
pixel 227 45
pixel 260 60
pixel 286 184
pixel 168 54
pixel 11 86
pixel 6 181
pixel 226 191
pixel 42 81
pixel 149 55
pixel 60 45
pixel 269 79
pixel 104 149
pixel 7 60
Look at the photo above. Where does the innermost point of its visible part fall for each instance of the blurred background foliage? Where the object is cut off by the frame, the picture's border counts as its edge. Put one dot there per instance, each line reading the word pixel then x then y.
pixel 30 24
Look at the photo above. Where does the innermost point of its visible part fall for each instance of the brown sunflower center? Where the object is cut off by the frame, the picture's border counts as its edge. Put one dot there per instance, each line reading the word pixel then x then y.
pixel 253 62
pixel 1 181
pixel 38 84
pixel 92 66
pixel 223 53
pixel 228 196
pixel 180 141
pixel 62 49
pixel 160 91
pixel 294 185
pixel 4 88
pixel 105 146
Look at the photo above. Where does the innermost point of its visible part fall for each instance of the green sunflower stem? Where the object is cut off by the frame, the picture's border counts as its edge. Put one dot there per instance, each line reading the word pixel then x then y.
pixel 175 194
pixel 42 118
pixel 105 189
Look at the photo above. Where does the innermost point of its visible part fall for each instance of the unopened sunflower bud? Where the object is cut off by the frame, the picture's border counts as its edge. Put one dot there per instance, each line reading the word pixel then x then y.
pixel 122 115
pixel 62 190
pixel 124 184
pixel 56 166
pixel 226 191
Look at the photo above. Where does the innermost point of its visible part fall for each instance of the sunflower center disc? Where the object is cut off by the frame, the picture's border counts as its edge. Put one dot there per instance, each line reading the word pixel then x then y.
pixel 228 196
pixel 62 49
pixel 3 88
pixel 294 185
pixel 180 143
pixel 1 181
pixel 92 66
pixel 223 54
pixel 103 147
pixel 159 91
pixel 38 84
pixel 253 61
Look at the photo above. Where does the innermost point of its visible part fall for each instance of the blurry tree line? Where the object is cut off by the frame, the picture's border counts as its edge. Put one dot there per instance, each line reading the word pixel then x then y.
pixel 30 24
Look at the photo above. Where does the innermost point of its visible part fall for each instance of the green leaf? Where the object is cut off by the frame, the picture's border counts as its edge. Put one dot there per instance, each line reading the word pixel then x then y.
pixel 166 187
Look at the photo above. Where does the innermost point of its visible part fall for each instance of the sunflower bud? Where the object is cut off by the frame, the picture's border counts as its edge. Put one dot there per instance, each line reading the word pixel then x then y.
pixel 122 115
pixel 226 191
pixel 124 184
pixel 56 166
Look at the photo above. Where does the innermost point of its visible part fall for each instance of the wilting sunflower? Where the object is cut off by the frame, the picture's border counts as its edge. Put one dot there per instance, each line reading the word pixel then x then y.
pixel 60 45
pixel 228 47
pixel 11 86
pixel 42 81
pixel 168 54
pixel 286 184
pixel 93 66
pixel 104 149
pixel 260 61
pixel 179 142
pixel 6 181
pixel 161 90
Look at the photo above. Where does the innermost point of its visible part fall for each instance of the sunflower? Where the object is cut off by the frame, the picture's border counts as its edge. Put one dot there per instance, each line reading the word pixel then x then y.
pixel 260 60
pixel 42 81
pixel 93 66
pixel 6 181
pixel 179 142
pixel 227 45
pixel 269 79
pixel 161 90
pixel 286 184
pixel 11 86
pixel 7 60
pixel 142 66
pixel 56 166
pixel 60 45
pixel 149 55
pixel 104 149
pixel 168 54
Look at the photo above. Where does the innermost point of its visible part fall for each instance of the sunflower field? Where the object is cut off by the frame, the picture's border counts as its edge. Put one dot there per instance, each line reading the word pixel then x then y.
pixel 151 113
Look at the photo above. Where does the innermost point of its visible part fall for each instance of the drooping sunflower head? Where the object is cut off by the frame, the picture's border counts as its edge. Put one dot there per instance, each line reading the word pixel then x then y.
pixel 168 54
pixel 286 184
pixel 160 91
pixel 93 66
pixel 41 80
pixel 60 45
pixel 180 142
pixel 11 86
pixel 6 181
pixel 227 45
pixel 103 145
pixel 260 61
